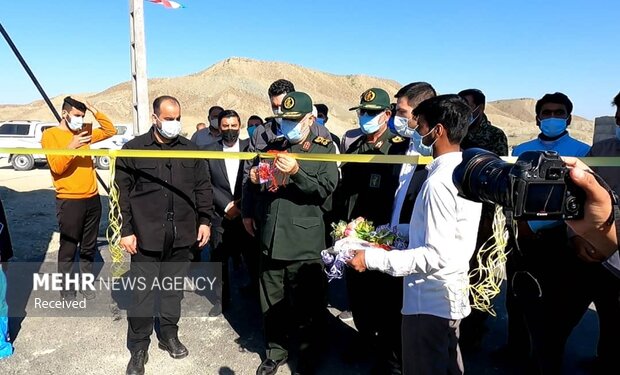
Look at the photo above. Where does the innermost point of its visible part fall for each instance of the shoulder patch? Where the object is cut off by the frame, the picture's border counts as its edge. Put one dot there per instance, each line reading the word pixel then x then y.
pixel 397 139
pixel 322 141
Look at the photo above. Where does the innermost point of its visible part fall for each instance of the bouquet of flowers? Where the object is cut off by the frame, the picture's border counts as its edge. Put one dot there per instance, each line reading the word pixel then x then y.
pixel 359 234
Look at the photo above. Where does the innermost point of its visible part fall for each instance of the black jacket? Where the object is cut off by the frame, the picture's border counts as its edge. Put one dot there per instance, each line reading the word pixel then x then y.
pixel 6 248
pixel 154 191
pixel 222 193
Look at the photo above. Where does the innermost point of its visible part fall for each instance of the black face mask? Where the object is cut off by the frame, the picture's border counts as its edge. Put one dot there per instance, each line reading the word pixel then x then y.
pixel 230 135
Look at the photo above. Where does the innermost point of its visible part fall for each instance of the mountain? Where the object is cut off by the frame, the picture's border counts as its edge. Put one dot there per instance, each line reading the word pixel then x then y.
pixel 241 84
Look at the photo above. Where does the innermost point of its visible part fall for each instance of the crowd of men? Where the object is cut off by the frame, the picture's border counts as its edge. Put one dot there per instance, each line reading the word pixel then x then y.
pixel 411 308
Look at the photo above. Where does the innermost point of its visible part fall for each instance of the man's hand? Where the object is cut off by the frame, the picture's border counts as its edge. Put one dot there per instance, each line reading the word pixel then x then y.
pixel 204 233
pixel 358 262
pixel 232 211
pixel 254 178
pixel 585 251
pixel 130 244
pixel 593 228
pixel 286 164
pixel 249 225
pixel 79 140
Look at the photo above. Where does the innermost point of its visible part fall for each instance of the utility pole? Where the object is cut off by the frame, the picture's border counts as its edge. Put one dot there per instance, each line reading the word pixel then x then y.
pixel 139 81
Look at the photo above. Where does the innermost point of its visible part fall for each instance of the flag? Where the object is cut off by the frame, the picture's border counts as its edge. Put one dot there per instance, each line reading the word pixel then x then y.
pixel 168 4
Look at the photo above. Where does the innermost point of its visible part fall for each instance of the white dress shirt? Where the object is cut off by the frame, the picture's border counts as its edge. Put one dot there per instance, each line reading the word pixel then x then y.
pixel 232 166
pixel 442 239
pixel 404 178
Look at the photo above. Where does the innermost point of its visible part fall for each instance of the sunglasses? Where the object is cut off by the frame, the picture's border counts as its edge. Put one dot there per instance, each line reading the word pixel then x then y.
pixel 369 112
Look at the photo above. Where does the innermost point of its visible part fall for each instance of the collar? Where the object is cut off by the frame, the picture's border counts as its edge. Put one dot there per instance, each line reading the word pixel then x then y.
pixel 151 140
pixel 544 139
pixel 453 157
pixel 233 147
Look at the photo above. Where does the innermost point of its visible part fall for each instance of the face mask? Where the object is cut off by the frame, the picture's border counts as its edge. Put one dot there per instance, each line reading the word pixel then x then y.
pixel 169 129
pixel 401 125
pixel 276 112
pixel 370 124
pixel 423 149
pixel 230 135
pixel 251 131
pixel 291 130
pixel 214 123
pixel 552 127
pixel 75 123
pixel 391 125
pixel 320 121
pixel 618 132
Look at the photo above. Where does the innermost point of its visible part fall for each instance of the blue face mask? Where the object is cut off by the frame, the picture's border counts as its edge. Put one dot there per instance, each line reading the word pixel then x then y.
pixel 401 127
pixel 251 130
pixel 291 130
pixel 391 125
pixel 618 132
pixel 320 121
pixel 552 127
pixel 423 149
pixel 370 124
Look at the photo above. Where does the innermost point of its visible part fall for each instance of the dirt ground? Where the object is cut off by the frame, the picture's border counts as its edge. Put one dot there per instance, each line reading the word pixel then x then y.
pixel 229 344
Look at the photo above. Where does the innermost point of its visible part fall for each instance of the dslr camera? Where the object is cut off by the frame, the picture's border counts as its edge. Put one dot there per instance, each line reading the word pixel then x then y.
pixel 536 187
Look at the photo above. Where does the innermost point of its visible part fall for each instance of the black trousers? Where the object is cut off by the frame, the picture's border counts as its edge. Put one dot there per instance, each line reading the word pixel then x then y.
pixel 430 346
pixel 78 220
pixel 172 263
pixel 228 240
pixel 293 302
pixel 376 300
pixel 549 290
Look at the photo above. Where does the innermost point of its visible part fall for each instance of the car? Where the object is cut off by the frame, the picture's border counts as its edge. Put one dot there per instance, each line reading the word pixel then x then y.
pixel 124 133
pixel 23 134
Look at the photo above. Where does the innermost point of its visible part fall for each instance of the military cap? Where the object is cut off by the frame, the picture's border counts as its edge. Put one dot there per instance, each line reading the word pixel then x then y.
pixel 373 99
pixel 296 105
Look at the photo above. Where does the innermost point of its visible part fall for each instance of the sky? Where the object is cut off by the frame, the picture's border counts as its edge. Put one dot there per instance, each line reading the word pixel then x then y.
pixel 508 49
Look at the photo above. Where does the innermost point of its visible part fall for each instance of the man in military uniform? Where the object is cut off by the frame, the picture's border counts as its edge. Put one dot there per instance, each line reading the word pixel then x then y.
pixel 480 134
pixel 270 132
pixel 368 190
pixel 288 215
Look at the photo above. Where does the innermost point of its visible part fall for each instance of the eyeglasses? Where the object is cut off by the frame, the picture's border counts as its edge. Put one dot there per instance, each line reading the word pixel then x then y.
pixel 369 112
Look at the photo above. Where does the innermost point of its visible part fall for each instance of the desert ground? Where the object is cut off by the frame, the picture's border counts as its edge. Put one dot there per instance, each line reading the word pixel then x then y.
pixel 229 344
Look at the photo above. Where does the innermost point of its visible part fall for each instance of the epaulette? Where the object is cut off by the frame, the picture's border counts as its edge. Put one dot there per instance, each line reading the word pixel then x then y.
pixel 397 139
pixel 322 141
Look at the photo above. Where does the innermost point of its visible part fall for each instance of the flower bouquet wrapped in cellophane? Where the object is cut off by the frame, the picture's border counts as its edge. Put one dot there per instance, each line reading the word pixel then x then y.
pixel 359 234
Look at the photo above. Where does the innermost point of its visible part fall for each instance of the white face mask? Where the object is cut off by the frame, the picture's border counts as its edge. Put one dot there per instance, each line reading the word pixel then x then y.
pixel 75 122
pixel 401 125
pixel 169 129
pixel 214 123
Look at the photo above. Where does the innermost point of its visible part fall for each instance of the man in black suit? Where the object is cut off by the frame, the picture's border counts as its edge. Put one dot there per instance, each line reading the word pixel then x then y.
pixel 229 236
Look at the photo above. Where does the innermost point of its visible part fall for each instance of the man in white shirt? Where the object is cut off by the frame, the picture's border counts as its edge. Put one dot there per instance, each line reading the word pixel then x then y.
pixel 442 238
pixel 411 175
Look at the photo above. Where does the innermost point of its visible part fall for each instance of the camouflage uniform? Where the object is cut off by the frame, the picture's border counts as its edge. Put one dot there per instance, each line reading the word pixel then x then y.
pixel 487 137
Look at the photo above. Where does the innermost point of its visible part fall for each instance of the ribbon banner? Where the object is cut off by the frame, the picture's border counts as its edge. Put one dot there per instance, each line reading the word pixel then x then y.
pixel 342 158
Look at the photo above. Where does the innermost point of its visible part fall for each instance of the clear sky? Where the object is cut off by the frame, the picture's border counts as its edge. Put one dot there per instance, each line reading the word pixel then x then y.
pixel 509 49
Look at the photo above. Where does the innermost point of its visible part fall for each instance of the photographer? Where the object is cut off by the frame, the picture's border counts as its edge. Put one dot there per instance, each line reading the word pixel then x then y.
pixel 600 286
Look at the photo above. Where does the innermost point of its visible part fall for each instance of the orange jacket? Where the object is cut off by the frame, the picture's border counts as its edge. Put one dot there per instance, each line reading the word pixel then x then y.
pixel 74 176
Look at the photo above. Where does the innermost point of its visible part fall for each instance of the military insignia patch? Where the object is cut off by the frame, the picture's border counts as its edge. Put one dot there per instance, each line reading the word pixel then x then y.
pixel 322 141
pixel 289 103
pixel 398 139
pixel 306 146
pixel 379 144
pixel 375 180
pixel 369 96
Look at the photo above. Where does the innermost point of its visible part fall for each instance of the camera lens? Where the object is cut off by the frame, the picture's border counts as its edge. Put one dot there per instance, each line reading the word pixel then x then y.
pixel 483 177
